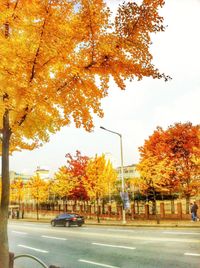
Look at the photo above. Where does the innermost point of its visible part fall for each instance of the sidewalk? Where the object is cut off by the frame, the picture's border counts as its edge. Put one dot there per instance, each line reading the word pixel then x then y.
pixel 132 223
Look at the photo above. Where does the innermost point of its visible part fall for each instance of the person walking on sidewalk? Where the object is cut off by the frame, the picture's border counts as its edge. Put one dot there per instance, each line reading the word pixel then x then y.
pixel 194 209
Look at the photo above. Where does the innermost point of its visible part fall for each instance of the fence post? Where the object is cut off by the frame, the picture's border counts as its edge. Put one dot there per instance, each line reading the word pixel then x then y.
pixel 81 208
pixel 147 211
pixel 89 211
pixel 109 210
pixel 119 211
pixel 162 210
pixel 179 210
pixel 11 259
pixel 133 210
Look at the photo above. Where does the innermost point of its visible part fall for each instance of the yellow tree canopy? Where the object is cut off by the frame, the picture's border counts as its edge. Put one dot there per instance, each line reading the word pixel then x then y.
pixel 38 189
pixel 52 53
pixel 155 175
pixel 63 183
pixel 17 190
pixel 100 177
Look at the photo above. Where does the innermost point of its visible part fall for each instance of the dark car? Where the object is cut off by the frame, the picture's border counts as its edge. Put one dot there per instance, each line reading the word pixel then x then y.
pixel 68 219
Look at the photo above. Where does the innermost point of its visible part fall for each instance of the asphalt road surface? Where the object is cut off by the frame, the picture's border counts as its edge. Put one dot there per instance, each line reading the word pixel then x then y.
pixel 111 247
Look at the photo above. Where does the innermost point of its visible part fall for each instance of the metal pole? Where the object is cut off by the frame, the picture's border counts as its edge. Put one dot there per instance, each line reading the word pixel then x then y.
pixel 122 178
pixel 122 171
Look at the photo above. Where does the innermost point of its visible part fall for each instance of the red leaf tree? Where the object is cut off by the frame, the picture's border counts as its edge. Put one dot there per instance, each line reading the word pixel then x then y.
pixel 76 167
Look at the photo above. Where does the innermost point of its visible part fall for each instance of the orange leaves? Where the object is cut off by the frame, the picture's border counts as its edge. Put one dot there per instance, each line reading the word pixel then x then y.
pixel 83 178
pixel 54 53
pixel 176 152
pixel 69 179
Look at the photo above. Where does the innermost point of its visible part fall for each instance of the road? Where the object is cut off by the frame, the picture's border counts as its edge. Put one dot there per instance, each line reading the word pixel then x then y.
pixel 100 246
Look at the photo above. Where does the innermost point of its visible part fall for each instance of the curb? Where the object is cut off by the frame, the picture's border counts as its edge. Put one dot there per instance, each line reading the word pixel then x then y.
pixel 128 225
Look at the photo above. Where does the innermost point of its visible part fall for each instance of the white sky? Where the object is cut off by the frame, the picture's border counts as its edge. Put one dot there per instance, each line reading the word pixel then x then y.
pixel 137 111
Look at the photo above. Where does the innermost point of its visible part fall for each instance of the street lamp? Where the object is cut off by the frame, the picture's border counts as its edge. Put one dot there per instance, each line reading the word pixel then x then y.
pixel 122 170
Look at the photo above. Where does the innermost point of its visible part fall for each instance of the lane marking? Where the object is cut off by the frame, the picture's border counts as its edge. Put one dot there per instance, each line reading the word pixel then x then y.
pixel 123 236
pixel 121 230
pixel 53 237
pixel 98 264
pixel 192 254
pixel 28 224
pixel 112 246
pixel 181 233
pixel 35 249
pixel 16 232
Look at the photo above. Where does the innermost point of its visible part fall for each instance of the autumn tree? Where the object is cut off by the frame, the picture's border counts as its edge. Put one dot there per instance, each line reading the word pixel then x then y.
pixel 17 191
pixel 63 183
pixel 38 190
pixel 178 148
pixel 51 53
pixel 155 178
pixel 100 178
pixel 76 169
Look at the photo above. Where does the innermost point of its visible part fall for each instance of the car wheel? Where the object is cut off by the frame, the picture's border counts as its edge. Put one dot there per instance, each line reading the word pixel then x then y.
pixel 53 223
pixel 79 225
pixel 67 224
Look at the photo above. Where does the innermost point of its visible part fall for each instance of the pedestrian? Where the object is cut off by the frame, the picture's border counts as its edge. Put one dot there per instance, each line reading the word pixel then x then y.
pixel 194 209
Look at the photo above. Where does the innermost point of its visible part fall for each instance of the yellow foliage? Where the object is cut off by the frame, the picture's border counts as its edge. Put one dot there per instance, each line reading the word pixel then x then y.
pixel 63 183
pixel 51 53
pixel 100 177
pixel 17 191
pixel 154 174
pixel 38 189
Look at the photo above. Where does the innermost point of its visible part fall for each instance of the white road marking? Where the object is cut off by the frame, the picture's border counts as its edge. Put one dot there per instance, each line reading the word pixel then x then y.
pixel 53 237
pixel 192 254
pixel 113 246
pixel 16 232
pixel 120 230
pixel 181 233
pixel 27 224
pixel 98 264
pixel 35 249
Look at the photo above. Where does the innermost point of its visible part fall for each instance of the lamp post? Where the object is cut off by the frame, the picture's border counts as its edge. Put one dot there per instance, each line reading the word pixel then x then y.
pixel 122 171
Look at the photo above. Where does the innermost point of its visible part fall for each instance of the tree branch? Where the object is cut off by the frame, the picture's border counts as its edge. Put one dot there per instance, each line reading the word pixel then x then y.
pixel 39 46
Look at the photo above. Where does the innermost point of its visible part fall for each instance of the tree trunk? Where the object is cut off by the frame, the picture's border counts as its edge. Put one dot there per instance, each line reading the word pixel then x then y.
pixel 98 218
pixel 155 207
pixel 37 210
pixel 172 206
pixel 4 249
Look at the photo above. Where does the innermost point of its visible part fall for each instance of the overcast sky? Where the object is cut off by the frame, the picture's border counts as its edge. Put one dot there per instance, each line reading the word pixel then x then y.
pixel 137 111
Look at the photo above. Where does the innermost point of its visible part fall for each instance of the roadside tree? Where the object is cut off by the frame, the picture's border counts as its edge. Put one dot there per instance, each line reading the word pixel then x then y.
pixel 177 152
pixel 51 55
pixel 38 190
pixel 101 178
pixel 17 191
pixel 76 169
pixel 63 183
